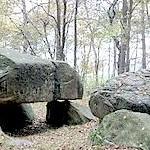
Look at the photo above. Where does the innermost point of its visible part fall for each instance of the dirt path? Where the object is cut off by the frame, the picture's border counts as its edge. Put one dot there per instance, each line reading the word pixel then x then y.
pixel 40 136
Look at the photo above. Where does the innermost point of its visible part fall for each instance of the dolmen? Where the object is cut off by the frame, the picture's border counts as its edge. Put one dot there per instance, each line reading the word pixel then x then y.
pixel 28 79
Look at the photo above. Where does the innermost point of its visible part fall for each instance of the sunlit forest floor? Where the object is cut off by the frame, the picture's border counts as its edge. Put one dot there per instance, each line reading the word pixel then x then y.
pixel 40 136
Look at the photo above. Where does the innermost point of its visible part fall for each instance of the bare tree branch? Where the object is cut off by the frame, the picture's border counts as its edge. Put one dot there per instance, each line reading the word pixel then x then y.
pixel 111 12
pixel 136 5
pixel 46 37
pixel 32 51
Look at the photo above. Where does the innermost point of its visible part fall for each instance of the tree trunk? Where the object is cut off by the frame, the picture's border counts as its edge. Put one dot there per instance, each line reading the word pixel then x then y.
pixel 121 59
pixel 61 30
pixel 96 57
pixel 102 70
pixel 122 45
pixel 143 35
pixel 114 63
pixel 96 53
pixel 128 36
pixel 147 11
pixel 136 52
pixel 83 69
pixel 25 22
pixel 75 34
pixel 122 51
pixel 64 25
pixel 86 58
pixel 59 50
pixel 109 50
pixel 47 42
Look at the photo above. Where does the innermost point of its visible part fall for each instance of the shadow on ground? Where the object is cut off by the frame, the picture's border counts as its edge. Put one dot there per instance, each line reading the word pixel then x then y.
pixel 35 128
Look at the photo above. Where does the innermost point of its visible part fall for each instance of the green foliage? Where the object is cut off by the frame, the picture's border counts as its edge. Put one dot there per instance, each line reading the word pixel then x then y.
pixel 90 85
pixel 97 138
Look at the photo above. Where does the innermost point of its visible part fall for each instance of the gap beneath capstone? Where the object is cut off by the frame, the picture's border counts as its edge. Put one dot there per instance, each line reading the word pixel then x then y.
pixel 23 119
pixel 33 118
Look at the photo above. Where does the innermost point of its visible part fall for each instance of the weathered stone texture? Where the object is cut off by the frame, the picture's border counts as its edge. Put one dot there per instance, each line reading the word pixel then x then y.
pixel 61 113
pixel 125 129
pixel 127 91
pixel 25 78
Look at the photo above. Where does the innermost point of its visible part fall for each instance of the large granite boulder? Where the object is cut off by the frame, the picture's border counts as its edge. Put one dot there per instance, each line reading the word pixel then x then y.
pixel 25 78
pixel 123 128
pixel 127 91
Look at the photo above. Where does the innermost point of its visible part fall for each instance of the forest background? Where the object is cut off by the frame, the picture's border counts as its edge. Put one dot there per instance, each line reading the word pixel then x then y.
pixel 99 38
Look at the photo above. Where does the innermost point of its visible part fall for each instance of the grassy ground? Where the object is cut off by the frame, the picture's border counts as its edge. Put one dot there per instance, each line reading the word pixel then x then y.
pixel 40 136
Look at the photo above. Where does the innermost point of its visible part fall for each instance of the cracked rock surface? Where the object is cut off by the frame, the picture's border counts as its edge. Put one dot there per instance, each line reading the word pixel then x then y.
pixel 25 78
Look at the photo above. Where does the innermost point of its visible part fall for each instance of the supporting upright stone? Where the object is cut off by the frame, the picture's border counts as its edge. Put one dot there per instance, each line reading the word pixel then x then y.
pixel 15 116
pixel 57 113
pixel 61 113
